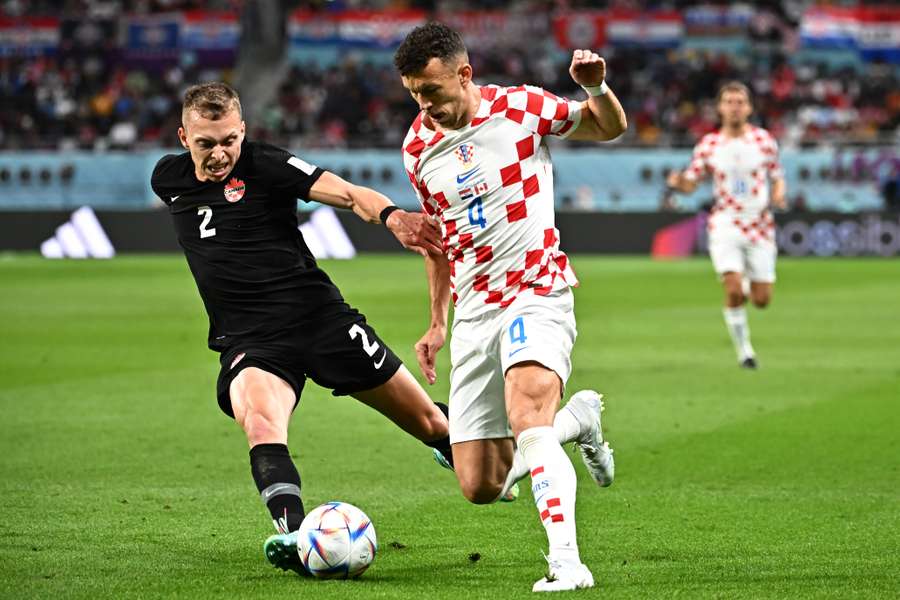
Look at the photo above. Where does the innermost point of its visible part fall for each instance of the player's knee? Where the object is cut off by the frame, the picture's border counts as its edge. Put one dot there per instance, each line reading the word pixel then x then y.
pixel 433 426
pixel 263 429
pixel 761 301
pixel 429 428
pixel 734 297
pixel 481 492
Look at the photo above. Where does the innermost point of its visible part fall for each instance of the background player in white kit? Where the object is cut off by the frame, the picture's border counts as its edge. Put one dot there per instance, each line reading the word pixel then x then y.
pixel 477 159
pixel 742 161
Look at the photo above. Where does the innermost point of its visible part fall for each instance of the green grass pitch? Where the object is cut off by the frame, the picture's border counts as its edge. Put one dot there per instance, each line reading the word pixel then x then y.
pixel 121 479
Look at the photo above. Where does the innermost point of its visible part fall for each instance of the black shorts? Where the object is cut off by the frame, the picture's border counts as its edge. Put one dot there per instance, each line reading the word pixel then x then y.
pixel 337 350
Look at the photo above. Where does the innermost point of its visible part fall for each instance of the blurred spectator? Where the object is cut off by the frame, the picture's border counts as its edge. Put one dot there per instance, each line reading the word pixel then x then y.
pixel 86 97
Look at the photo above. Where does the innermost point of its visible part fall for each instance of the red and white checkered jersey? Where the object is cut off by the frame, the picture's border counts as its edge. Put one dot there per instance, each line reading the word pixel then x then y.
pixel 741 169
pixel 491 185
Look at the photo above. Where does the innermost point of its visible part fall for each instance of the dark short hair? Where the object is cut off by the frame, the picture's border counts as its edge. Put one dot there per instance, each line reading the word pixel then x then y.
pixel 213 100
pixel 734 86
pixel 431 40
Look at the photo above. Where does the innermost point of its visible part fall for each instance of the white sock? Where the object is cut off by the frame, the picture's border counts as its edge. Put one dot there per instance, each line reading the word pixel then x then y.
pixel 567 429
pixel 553 484
pixel 567 426
pixel 736 321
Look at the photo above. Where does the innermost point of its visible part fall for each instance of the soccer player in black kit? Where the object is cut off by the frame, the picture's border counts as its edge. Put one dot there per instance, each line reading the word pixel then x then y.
pixel 276 318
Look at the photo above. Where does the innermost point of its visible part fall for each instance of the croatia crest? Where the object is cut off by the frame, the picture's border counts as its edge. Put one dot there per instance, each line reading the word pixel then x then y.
pixel 465 154
pixel 234 190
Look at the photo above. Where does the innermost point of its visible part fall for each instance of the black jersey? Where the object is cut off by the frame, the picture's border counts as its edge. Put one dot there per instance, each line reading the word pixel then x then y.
pixel 253 269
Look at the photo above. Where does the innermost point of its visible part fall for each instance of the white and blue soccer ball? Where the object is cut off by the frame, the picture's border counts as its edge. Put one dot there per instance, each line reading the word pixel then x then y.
pixel 336 541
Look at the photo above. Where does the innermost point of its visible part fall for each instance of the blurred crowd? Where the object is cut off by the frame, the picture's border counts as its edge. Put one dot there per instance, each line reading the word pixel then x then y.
pixel 86 98
pixel 108 8
pixel 668 97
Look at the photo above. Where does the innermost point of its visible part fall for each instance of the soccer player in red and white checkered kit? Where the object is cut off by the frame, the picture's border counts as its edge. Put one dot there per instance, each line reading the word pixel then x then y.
pixel 743 162
pixel 477 159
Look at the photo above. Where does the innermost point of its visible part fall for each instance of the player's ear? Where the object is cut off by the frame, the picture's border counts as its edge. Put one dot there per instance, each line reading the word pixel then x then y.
pixel 464 73
pixel 182 137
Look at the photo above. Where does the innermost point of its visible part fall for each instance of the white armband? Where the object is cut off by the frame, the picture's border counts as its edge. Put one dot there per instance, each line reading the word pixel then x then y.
pixel 596 90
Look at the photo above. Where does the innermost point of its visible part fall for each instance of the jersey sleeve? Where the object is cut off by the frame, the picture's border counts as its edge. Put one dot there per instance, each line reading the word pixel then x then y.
pixel 284 173
pixel 773 163
pixel 699 166
pixel 413 145
pixel 165 175
pixel 420 190
pixel 542 112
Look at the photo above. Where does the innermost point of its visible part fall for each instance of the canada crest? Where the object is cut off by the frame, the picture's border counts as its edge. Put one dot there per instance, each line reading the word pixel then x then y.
pixel 234 190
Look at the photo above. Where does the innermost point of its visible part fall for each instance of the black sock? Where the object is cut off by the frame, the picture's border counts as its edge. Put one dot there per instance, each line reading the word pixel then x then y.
pixel 278 483
pixel 443 445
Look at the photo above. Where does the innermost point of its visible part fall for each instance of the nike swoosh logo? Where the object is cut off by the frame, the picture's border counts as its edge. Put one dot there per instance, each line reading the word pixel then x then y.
pixel 275 490
pixel 466 176
pixel 517 350
pixel 174 198
pixel 381 362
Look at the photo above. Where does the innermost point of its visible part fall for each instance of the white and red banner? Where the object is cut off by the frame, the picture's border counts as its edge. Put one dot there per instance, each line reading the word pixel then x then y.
pixel 584 29
pixel 717 20
pixel 204 30
pixel 353 28
pixel 660 29
pixel 488 29
pixel 595 29
pixel 874 31
pixel 28 36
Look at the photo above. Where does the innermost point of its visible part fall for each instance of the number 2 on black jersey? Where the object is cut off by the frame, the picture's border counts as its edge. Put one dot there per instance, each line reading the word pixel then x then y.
pixel 205 231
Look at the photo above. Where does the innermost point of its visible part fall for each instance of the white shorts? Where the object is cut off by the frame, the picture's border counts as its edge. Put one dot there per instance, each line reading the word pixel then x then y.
pixel 533 328
pixel 731 250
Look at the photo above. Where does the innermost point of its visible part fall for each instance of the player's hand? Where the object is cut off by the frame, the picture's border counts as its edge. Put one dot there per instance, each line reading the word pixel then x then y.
pixel 673 180
pixel 427 349
pixel 415 231
pixel 587 68
pixel 777 200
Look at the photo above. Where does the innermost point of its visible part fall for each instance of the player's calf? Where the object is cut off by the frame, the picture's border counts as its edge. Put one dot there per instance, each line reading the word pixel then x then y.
pixel 441 445
pixel 403 401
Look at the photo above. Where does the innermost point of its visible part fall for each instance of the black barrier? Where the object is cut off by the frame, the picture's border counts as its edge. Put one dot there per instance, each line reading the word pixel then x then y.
pixel 799 234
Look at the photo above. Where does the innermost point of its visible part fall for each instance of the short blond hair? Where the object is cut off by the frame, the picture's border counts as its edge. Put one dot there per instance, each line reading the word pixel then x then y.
pixel 734 86
pixel 212 100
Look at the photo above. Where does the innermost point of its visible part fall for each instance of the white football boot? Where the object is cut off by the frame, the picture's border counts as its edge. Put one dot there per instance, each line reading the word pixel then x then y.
pixel 586 406
pixel 564 577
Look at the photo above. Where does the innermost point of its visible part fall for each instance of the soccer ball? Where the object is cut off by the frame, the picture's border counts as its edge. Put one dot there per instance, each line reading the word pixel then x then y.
pixel 336 541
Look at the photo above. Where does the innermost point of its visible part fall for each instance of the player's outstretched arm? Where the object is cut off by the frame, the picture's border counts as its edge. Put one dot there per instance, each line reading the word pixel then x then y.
pixel 779 190
pixel 603 117
pixel 438 270
pixel 678 182
pixel 415 231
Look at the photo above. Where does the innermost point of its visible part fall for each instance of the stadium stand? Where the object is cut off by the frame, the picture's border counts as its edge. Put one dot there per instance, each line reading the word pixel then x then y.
pixel 106 75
